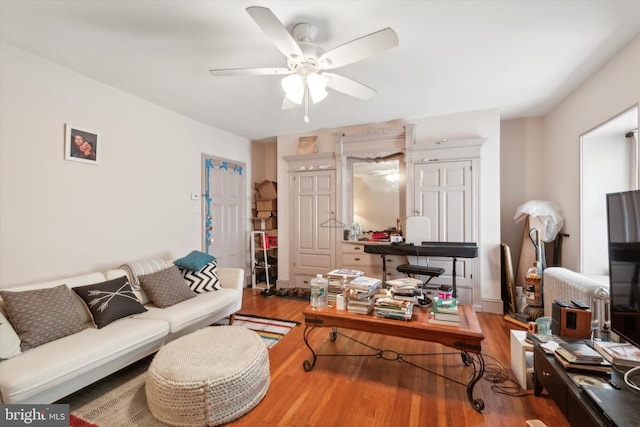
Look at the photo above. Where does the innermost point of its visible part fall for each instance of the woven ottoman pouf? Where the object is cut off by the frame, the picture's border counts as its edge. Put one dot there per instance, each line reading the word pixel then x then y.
pixel 209 377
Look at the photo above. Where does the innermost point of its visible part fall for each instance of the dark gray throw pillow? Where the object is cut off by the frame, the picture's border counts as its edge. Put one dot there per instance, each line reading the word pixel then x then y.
pixel 166 287
pixel 109 301
pixel 42 315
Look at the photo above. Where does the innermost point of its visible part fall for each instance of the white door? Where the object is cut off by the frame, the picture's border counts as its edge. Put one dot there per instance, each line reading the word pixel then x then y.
pixel 443 193
pixel 313 229
pixel 224 219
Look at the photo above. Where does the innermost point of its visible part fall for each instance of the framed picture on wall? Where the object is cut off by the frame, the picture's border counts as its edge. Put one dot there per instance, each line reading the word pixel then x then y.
pixel 307 145
pixel 81 145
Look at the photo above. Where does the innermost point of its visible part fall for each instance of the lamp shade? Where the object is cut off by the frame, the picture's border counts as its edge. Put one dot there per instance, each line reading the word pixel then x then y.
pixel 293 86
pixel 317 87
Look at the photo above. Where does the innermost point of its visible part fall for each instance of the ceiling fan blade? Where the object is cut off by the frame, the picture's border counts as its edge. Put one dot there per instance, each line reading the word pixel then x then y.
pixel 250 72
pixel 277 32
pixel 359 49
pixel 349 87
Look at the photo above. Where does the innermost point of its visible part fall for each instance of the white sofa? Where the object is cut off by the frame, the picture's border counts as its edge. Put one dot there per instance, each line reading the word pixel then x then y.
pixel 51 371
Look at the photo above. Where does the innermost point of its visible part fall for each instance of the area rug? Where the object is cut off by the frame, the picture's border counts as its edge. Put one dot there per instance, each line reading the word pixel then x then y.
pixel 123 406
pixel 270 329
pixel 122 401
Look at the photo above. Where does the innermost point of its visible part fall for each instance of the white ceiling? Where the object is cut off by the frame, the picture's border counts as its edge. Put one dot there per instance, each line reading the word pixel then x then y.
pixel 520 57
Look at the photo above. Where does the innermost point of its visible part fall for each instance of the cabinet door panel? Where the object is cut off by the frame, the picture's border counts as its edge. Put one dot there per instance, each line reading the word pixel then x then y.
pixel 445 200
pixel 315 260
pixel 305 210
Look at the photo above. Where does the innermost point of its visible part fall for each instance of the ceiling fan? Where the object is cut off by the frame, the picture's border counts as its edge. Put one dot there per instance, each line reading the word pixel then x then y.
pixel 307 63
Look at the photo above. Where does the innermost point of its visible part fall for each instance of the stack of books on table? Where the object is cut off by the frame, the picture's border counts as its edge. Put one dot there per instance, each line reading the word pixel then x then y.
pixel 362 287
pixel 360 306
pixel 360 293
pixel 345 272
pixel 338 279
pixel 577 355
pixel 405 289
pixel 391 308
pixel 334 289
pixel 619 354
pixel 445 312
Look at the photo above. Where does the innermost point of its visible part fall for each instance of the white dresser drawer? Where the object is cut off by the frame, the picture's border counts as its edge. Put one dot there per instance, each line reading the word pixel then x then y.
pixel 362 260
pixel 353 248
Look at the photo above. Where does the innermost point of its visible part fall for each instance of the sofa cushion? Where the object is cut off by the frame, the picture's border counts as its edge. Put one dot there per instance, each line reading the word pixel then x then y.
pixel 208 305
pixel 30 375
pixel 204 280
pixel 166 287
pixel 42 315
pixel 9 339
pixel 194 261
pixel 109 301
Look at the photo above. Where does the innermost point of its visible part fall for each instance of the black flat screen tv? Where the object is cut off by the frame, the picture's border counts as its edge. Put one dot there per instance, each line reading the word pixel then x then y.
pixel 623 219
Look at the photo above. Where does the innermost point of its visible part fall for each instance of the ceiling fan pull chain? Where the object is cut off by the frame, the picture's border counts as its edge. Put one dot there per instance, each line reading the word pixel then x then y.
pixel 306 103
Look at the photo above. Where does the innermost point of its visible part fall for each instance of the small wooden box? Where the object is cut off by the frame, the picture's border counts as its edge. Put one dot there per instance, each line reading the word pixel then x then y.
pixel 570 322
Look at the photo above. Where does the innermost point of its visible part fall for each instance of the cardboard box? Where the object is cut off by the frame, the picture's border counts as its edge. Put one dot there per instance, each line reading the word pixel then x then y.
pixel 264 214
pixel 265 223
pixel 268 190
pixel 272 232
pixel 267 205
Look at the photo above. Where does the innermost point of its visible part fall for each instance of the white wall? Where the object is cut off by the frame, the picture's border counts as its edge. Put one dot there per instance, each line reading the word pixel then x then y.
pixel 520 168
pixel 60 218
pixel 611 90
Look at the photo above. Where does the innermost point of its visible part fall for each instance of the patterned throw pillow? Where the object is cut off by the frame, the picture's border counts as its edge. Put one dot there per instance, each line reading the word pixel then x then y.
pixel 166 287
pixel 204 280
pixel 195 261
pixel 109 301
pixel 42 315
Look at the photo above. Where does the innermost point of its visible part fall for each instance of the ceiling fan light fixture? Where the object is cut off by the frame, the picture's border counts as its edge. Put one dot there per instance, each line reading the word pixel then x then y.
pixel 317 87
pixel 293 86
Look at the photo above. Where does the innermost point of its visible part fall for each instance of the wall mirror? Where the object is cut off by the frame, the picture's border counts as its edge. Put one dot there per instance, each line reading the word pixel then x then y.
pixel 376 185
pixel 371 177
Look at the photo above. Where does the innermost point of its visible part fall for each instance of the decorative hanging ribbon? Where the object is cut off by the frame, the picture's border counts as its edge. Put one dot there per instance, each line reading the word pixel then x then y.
pixel 208 223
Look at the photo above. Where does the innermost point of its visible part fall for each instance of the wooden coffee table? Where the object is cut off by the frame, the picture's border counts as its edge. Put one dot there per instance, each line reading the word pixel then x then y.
pixel 467 337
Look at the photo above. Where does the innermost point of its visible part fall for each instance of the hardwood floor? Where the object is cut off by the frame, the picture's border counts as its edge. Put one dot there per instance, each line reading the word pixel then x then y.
pixel 345 391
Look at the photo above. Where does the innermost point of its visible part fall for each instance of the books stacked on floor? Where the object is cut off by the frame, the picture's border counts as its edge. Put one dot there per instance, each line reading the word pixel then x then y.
pixel 360 294
pixel 445 312
pixel 577 355
pixel 405 289
pixel 619 354
pixel 391 308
